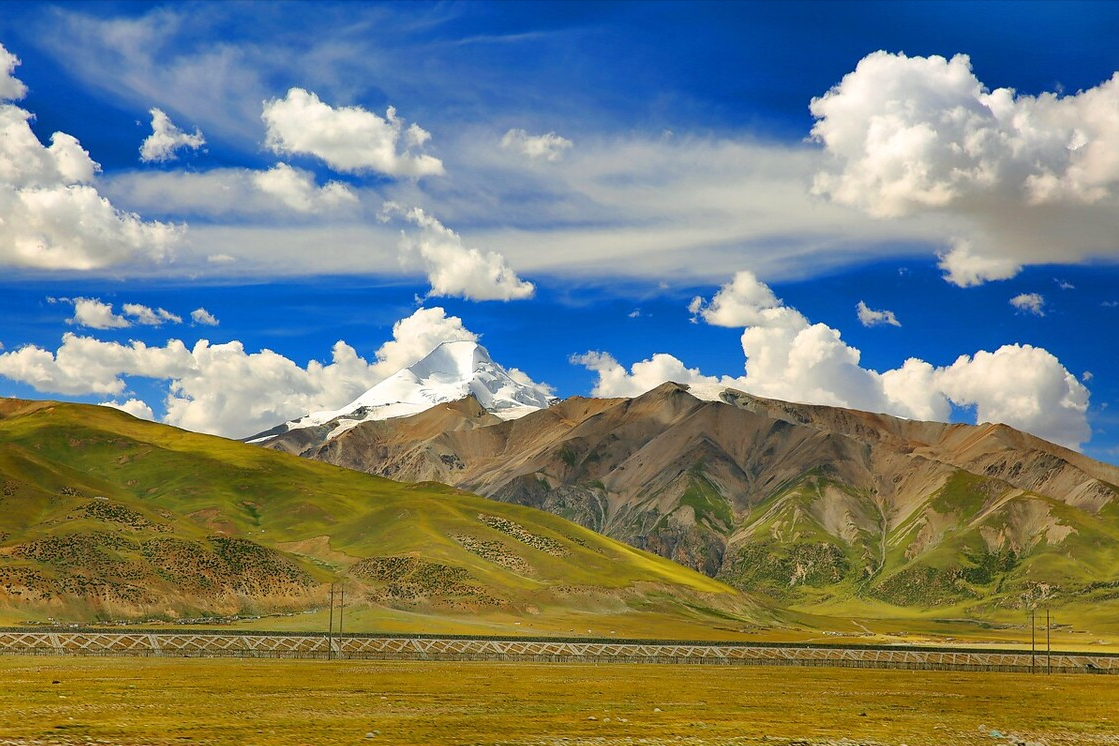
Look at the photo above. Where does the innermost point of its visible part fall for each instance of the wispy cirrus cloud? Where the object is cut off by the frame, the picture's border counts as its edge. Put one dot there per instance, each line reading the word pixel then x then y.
pixel 548 147
pixel 237 195
pixel 633 204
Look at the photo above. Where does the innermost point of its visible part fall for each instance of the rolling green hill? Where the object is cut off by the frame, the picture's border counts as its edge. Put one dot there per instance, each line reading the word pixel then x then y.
pixel 105 517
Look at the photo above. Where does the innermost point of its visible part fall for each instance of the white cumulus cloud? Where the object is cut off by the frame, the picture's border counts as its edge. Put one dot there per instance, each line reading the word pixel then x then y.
pixel 51 217
pixel 230 391
pixel 150 316
pixel 84 365
pixel 349 139
pixel 134 407
pixel 741 302
pixel 1036 176
pixel 870 317
pixel 1032 303
pixel 166 138
pixel 964 268
pixel 549 146
pixel 96 314
pixel 790 358
pixel 1023 386
pixel 452 268
pixel 614 380
pixel 11 88
pixel 202 317
pixel 416 335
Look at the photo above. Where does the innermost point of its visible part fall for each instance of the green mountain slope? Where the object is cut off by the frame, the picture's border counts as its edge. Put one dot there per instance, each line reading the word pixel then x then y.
pixel 105 517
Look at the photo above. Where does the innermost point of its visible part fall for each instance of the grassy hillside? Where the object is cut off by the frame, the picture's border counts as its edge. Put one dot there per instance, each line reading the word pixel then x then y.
pixel 976 548
pixel 107 517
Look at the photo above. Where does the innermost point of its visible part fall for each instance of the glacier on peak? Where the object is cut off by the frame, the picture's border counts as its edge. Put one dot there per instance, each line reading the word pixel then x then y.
pixel 452 371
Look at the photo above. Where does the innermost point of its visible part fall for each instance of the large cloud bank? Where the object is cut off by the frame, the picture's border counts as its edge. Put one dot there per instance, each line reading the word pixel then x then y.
pixel 223 388
pixel 1036 176
pixel 51 217
pixel 788 357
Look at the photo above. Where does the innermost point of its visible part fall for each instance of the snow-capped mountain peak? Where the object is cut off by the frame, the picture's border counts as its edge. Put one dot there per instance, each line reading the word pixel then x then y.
pixel 452 371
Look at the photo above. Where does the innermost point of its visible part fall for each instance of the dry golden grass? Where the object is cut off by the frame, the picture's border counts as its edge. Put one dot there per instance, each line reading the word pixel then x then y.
pixel 131 701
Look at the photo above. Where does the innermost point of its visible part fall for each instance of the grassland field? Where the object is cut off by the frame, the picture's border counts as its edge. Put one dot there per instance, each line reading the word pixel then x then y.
pixel 134 702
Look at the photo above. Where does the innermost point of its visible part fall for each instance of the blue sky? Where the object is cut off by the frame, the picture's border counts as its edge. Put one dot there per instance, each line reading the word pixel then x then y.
pixel 558 179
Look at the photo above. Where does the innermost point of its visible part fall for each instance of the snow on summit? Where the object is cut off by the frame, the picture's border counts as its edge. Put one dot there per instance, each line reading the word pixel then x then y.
pixel 450 372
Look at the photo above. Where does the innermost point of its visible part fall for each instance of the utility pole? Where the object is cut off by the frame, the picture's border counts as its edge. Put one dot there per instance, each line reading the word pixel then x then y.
pixel 1048 643
pixel 330 629
pixel 1033 639
pixel 341 611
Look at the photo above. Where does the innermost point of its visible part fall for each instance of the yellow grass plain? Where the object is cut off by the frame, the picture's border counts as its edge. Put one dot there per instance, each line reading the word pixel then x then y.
pixel 159 702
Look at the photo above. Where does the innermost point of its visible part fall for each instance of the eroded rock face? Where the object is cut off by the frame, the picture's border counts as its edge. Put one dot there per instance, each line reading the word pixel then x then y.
pixel 770 495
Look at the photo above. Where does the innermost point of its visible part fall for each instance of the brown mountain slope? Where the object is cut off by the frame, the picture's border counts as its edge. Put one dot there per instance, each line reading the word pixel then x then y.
pixel 804 502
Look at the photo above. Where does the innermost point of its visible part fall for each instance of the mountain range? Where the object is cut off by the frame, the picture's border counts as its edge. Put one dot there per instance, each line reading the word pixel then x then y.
pixel 489 506
pixel 815 507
